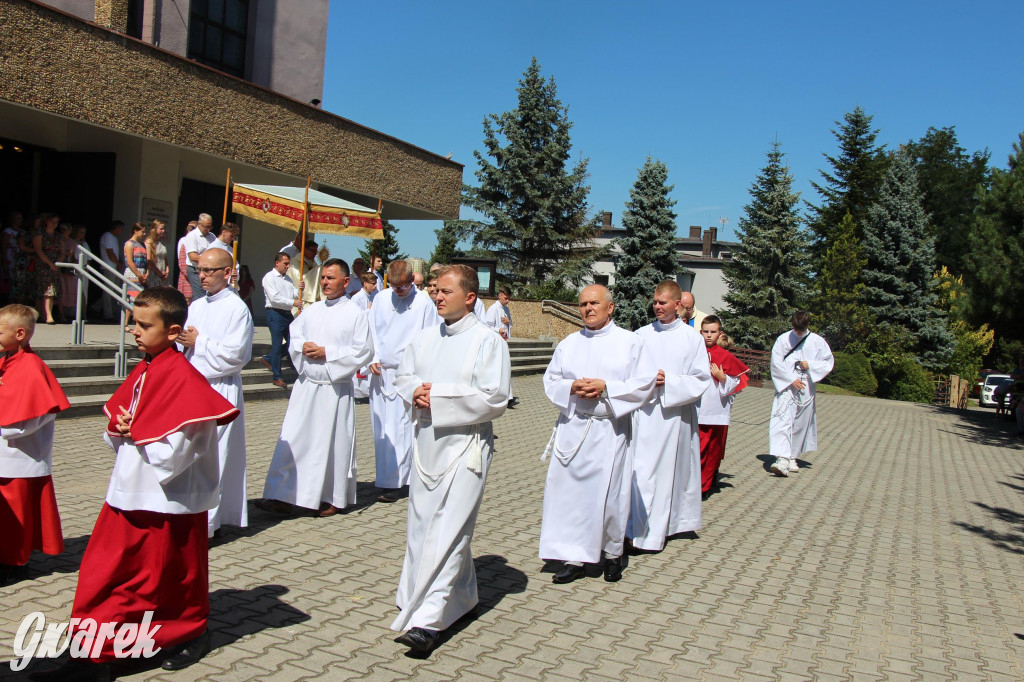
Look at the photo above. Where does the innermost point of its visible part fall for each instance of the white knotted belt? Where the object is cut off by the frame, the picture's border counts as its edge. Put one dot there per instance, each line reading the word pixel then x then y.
pixel 566 456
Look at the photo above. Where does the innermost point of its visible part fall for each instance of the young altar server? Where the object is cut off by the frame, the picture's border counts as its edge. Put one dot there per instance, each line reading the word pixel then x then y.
pixel 455 376
pixel 314 464
pixel 666 446
pixel 499 318
pixel 363 299
pixel 218 342
pixel 148 551
pixel 596 378
pixel 715 406
pixel 800 359
pixel 398 313
pixel 30 399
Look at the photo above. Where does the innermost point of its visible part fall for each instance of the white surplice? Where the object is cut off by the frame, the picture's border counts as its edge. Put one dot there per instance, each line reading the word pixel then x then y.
pixel 223 347
pixel 26 448
pixel 315 457
pixel 666 443
pixel 394 321
pixel 361 384
pixel 793 429
pixel 492 318
pixel 468 367
pixel 587 490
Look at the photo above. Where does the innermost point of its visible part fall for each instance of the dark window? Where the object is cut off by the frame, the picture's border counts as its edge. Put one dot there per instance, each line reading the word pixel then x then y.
pixel 217 34
pixel 601 279
pixel 134 28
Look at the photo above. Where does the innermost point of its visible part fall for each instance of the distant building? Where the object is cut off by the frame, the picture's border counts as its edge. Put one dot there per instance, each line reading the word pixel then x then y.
pixel 136 109
pixel 700 257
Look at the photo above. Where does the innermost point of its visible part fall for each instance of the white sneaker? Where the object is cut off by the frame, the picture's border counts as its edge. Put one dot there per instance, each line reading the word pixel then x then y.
pixel 780 467
pixel 793 466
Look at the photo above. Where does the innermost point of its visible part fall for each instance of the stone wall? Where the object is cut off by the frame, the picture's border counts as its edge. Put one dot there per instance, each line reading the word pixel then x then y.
pixel 529 322
pixel 60 64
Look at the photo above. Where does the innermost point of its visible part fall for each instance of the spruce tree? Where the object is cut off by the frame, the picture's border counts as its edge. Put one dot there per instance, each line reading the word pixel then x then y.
pixel 853 181
pixel 838 287
pixel 534 204
pixel 648 248
pixel 996 252
pixel 767 277
pixel 386 249
pixel 948 179
pixel 448 237
pixel 899 275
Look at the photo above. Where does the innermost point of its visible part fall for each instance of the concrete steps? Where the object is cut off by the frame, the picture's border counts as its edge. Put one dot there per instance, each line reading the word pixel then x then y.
pixel 86 373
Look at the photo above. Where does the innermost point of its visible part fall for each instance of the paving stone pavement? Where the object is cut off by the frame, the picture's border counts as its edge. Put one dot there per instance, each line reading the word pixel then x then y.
pixel 895 553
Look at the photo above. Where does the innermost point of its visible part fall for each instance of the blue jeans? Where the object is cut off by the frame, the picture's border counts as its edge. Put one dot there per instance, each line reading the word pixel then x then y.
pixel 278 322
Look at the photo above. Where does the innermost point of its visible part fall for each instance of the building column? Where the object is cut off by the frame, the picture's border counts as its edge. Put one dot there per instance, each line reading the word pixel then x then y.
pixel 112 14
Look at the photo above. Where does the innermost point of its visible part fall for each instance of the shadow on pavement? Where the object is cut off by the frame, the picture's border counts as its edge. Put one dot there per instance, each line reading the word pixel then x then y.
pixel 982 426
pixel 1012 540
pixel 68 561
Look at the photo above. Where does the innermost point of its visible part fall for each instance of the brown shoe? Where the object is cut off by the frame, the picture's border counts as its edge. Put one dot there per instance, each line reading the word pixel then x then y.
pixel 266 363
pixel 275 506
pixel 279 383
pixel 327 510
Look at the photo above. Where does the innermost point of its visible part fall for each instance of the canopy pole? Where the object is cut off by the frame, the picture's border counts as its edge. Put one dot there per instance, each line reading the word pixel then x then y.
pixel 234 242
pixel 302 249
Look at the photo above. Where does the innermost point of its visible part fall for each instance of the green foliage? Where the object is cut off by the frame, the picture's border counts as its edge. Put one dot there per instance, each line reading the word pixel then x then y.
pixel 851 185
pixel 970 344
pixel 767 277
pixel 899 286
pixel 535 205
pixel 648 248
pixel 996 251
pixel 553 291
pixel 852 371
pixel 448 237
pixel 386 249
pixel 838 288
pixel 949 179
pixel 906 380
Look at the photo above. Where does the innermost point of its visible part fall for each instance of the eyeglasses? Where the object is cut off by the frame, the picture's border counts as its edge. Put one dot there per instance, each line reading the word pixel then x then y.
pixel 210 271
pixel 404 287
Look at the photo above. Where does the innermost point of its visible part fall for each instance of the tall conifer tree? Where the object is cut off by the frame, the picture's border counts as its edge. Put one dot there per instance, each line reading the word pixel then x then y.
pixel 386 249
pixel 838 287
pixel 649 246
pixel 447 247
pixel 899 275
pixel 535 203
pixel 767 277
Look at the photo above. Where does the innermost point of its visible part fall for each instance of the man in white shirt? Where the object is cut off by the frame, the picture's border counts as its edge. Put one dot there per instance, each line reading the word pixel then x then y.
pixel 309 284
pixel 281 296
pixel 377 264
pixel 218 342
pixel 226 238
pixel 110 253
pixel 196 242
pixel 355 282
pixel 455 377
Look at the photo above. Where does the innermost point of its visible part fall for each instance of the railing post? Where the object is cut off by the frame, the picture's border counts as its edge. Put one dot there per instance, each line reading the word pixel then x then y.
pixel 78 328
pixel 121 361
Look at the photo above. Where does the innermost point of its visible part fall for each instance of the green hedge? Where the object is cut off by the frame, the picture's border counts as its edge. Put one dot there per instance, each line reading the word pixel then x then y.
pixel 905 380
pixel 853 372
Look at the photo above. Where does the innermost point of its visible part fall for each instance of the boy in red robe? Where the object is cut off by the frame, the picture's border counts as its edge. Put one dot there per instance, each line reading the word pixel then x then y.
pixel 148 553
pixel 30 399
pixel 715 408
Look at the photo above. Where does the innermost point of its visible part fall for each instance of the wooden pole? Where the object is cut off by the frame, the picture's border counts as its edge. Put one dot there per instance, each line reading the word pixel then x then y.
pixel 224 219
pixel 302 249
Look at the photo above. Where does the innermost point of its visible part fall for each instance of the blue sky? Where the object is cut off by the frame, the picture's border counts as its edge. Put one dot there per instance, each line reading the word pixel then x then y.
pixel 704 87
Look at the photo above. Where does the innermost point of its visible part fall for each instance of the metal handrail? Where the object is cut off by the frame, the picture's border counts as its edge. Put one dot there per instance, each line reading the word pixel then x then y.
pixel 86 271
pixel 561 310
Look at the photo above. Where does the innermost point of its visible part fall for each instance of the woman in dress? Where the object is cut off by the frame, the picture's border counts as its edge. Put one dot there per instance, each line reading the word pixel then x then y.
pixel 156 254
pixel 9 253
pixel 46 247
pixel 246 286
pixel 183 286
pixel 136 263
pixel 68 281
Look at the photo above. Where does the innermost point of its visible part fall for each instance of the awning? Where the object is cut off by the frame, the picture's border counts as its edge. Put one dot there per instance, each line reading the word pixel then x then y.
pixel 283 206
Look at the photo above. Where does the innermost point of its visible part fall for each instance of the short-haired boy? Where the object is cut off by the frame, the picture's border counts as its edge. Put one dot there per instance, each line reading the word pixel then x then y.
pixel 148 553
pixel 729 377
pixel 30 399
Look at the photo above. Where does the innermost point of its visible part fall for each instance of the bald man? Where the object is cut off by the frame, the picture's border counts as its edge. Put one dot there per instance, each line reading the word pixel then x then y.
pixel 597 377
pixel 691 316
pixel 217 340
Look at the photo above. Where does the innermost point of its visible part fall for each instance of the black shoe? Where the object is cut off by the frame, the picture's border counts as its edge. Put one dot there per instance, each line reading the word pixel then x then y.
pixel 11 574
pixel 390 495
pixel 191 652
pixel 75 670
pixel 613 570
pixel 513 402
pixel 568 574
pixel 420 640
pixel 705 495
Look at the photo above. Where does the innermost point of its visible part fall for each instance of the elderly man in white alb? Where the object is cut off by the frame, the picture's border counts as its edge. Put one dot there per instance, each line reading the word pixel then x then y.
pixel 218 342
pixel 596 378
pixel 314 464
pixel 398 313
pixel 196 242
pixel 800 359
pixel 456 377
pixel 666 453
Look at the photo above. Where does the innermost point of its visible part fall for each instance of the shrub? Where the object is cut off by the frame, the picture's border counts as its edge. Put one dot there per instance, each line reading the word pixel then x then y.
pixel 905 379
pixel 853 372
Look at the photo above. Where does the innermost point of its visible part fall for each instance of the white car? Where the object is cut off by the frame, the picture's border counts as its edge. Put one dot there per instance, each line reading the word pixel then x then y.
pixel 988 389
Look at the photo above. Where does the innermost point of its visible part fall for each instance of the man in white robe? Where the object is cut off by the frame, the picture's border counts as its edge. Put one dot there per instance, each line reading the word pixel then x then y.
pixel 314 464
pixel 499 318
pixel 218 342
pixel 800 359
pixel 309 283
pixel 666 444
pixel 455 376
pixel 398 313
pixel 596 378
pixel 363 299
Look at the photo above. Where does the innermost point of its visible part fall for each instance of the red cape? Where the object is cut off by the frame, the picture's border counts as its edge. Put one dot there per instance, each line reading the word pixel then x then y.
pixel 28 389
pixel 730 364
pixel 172 394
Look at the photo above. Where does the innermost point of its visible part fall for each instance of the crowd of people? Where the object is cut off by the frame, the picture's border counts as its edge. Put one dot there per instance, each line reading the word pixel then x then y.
pixel 641 431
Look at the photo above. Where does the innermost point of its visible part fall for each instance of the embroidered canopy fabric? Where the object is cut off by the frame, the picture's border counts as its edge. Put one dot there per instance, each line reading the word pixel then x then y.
pixel 283 206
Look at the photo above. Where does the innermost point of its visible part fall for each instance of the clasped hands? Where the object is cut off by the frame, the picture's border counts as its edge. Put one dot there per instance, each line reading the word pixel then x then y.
pixel 421 396
pixel 124 423
pixel 313 351
pixel 187 337
pixel 588 389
